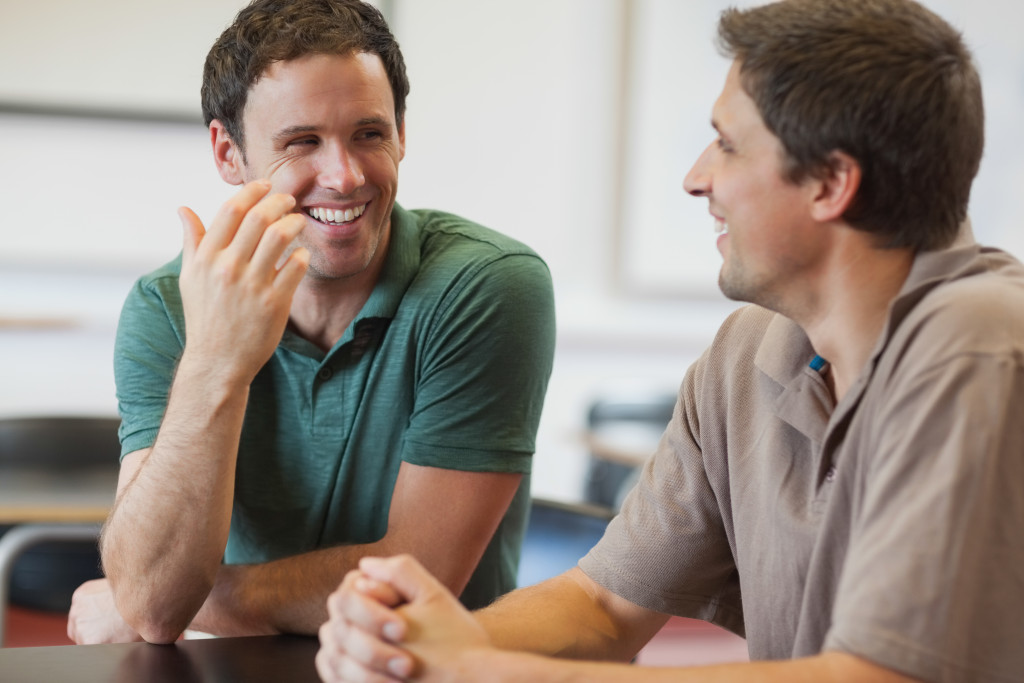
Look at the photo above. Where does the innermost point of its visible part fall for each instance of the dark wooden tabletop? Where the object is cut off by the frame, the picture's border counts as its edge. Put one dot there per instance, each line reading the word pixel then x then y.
pixel 252 659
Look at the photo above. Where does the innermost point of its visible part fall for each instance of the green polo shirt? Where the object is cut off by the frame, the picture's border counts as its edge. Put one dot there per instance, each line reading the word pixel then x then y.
pixel 446 365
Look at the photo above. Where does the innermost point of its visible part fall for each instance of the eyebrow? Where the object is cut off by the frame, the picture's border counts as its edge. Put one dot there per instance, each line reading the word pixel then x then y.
pixel 373 121
pixel 291 131
pixel 721 133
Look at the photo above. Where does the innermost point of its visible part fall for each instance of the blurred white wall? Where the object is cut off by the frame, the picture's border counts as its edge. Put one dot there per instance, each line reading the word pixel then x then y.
pixel 566 123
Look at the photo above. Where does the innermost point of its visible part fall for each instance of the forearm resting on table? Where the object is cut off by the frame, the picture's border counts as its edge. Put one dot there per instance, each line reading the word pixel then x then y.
pixel 576 619
pixel 569 616
pixel 290 595
pixel 830 667
pixel 163 542
pixel 572 617
pixel 283 596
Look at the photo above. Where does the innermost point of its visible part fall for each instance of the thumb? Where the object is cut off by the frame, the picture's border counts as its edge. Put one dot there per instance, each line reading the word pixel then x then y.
pixel 193 229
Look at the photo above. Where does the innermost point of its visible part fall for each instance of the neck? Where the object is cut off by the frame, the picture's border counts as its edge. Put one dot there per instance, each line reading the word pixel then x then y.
pixel 322 309
pixel 851 306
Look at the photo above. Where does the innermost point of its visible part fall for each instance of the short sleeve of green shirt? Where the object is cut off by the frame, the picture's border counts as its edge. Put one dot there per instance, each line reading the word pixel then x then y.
pixel 486 355
pixel 150 339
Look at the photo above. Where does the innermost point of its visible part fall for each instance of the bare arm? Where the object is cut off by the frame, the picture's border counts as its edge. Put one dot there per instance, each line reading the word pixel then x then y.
pixel 290 595
pixel 830 667
pixel 570 616
pixel 425 635
pixel 163 542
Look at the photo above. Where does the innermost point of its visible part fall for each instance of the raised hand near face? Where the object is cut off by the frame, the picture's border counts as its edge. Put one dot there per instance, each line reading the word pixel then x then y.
pixel 238 279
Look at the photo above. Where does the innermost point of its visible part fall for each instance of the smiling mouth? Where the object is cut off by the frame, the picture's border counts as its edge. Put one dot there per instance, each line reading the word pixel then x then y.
pixel 335 216
pixel 721 227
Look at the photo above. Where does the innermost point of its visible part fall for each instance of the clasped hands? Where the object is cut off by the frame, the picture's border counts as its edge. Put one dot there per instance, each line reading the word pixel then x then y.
pixel 391 620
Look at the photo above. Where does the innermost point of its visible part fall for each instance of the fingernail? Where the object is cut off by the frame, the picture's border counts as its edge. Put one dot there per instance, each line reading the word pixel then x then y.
pixel 392 631
pixel 399 667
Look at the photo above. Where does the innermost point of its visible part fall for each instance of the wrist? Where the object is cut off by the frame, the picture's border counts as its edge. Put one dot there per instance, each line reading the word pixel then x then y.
pixel 231 608
pixel 218 380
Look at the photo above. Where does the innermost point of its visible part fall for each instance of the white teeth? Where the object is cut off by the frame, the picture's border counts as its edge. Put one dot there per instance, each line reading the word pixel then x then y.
pixel 721 226
pixel 336 216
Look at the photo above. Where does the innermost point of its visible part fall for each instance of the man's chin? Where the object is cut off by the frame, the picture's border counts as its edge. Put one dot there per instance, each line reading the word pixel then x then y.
pixel 734 291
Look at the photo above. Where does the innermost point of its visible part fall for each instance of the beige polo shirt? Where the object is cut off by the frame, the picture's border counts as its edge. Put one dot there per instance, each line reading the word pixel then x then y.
pixel 890 526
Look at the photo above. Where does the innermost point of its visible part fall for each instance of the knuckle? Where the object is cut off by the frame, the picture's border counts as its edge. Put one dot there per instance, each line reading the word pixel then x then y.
pixel 325 666
pixel 326 634
pixel 353 671
pixel 234 209
pixel 225 270
pixel 404 561
pixel 276 235
pixel 350 605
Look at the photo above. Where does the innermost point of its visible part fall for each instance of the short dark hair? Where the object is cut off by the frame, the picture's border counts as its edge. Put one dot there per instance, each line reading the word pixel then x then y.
pixel 268 31
pixel 887 82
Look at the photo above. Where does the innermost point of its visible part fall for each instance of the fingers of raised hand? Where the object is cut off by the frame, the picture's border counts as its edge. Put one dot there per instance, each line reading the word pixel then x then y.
pixel 247 240
pixel 273 241
pixel 292 271
pixel 266 230
pixel 233 213
pixel 250 221
pixel 194 231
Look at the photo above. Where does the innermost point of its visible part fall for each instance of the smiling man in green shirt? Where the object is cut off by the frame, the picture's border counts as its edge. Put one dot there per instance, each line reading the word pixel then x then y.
pixel 322 374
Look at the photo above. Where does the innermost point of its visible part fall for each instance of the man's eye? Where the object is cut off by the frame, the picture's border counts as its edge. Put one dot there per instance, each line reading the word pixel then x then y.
pixel 723 145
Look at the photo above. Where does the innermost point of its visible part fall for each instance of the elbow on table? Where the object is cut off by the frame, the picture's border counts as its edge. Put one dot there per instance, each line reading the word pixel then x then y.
pixel 158 620
pixel 158 633
pixel 156 625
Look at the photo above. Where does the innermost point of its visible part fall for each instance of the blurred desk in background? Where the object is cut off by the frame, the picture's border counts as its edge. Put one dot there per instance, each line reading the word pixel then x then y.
pixel 37 494
pixel 45 506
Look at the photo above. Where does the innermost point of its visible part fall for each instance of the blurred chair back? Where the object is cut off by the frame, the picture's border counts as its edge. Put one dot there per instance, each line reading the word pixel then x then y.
pixel 557 536
pixel 59 442
pixel 46 574
pixel 621 435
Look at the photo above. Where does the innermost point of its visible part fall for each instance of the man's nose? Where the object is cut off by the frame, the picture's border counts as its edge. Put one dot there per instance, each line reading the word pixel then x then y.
pixel 340 170
pixel 698 181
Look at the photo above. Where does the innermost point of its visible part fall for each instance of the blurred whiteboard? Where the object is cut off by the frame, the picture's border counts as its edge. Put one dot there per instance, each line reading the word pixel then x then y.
pixel 141 57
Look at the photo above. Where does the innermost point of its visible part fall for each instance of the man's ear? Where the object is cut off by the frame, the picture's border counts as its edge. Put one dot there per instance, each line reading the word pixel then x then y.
pixel 226 154
pixel 837 187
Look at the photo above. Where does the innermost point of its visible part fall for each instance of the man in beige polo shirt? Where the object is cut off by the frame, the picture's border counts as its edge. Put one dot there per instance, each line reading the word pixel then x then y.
pixel 842 481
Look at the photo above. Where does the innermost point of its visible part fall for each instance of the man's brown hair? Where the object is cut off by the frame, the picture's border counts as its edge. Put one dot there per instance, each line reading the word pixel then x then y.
pixel 268 31
pixel 887 82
